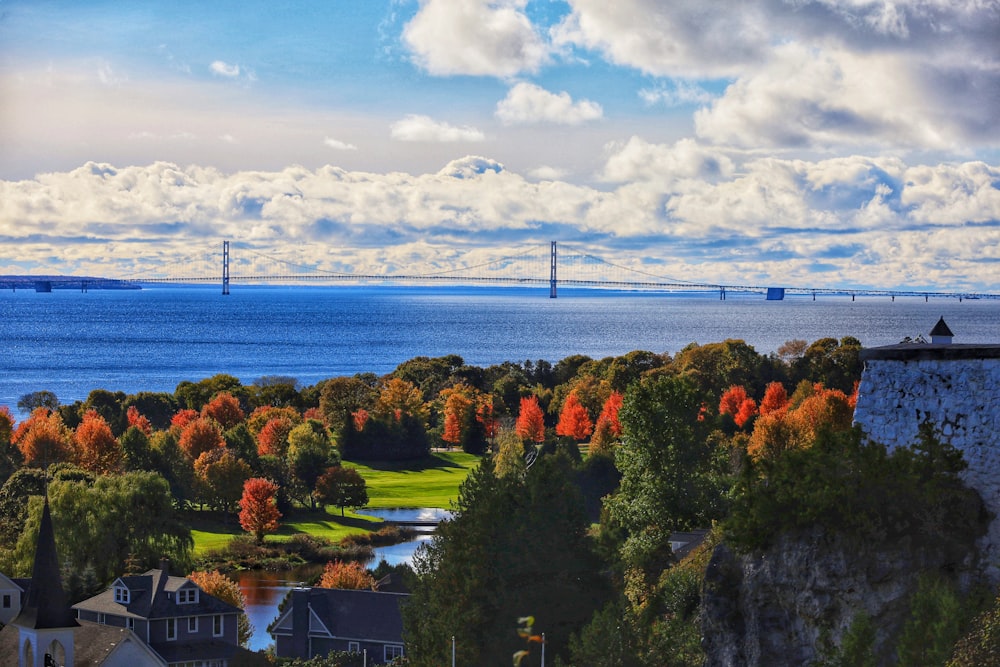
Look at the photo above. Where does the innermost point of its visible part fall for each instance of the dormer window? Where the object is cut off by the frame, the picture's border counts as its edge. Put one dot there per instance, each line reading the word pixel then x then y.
pixel 187 596
pixel 121 595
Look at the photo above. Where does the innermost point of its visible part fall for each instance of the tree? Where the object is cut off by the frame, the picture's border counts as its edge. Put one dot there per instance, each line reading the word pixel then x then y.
pixel 222 476
pixel 353 575
pixel 775 398
pixel 516 544
pixel 273 438
pixel 43 439
pixel 747 411
pixel 37 399
pixel 732 400
pixel 110 405
pixel 608 428
pixel 225 409
pixel 343 396
pixel 309 453
pixel 457 408
pixel 182 418
pixel 574 422
pixel 341 487
pixel 96 447
pixel 509 456
pixel 138 420
pixel 667 476
pixel 398 398
pixel 90 530
pixel 259 514
pixel 137 453
pixel 222 587
pixel 530 424
pixel 199 436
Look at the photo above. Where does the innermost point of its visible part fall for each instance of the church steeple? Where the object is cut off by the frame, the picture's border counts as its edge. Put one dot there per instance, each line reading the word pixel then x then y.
pixel 46 621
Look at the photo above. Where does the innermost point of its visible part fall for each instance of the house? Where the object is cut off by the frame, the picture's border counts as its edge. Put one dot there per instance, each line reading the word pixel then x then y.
pixel 320 620
pixel 11 597
pixel 149 620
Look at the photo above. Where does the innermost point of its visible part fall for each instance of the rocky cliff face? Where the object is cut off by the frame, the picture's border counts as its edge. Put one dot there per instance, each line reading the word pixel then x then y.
pixel 778 607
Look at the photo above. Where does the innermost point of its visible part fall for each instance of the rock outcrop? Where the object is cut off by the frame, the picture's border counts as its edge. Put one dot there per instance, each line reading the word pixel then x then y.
pixel 781 606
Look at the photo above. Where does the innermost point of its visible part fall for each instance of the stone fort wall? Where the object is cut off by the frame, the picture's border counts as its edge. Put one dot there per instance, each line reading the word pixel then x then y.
pixel 957 388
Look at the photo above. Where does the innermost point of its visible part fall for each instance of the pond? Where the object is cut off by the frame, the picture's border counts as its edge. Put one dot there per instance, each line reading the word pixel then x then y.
pixel 265 590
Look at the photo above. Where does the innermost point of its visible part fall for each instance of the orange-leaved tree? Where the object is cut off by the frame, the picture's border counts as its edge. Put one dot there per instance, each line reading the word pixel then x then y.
pixel 353 575
pixel 574 422
pixel 732 400
pixel 747 411
pixel 273 438
pixel 139 420
pixel 182 418
pixel 530 424
pixel 259 513
pixel 225 409
pixel 458 411
pixel 199 436
pixel 608 428
pixel 43 439
pixel 222 587
pixel 97 449
pixel 399 397
pixel 222 475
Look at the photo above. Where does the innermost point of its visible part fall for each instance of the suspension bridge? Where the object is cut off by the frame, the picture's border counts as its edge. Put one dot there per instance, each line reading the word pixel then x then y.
pixel 550 265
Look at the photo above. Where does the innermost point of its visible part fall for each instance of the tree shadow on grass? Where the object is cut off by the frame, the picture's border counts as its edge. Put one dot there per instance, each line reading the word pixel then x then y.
pixel 431 462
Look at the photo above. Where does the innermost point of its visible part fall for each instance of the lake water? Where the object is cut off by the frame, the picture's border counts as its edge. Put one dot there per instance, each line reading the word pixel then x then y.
pixel 264 590
pixel 69 342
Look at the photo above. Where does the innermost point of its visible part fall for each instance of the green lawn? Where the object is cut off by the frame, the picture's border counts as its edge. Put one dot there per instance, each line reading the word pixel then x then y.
pixel 432 482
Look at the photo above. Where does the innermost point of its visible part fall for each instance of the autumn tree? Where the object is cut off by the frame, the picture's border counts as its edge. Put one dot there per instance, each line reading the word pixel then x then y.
pixel 138 420
pixel 342 397
pixel 457 411
pixel 530 424
pixel 259 514
pixel 95 445
pixel 574 422
pixel 273 438
pixel 399 397
pixel 341 487
pixel 10 457
pixel 608 428
pixel 225 409
pixel 222 587
pixel 222 476
pixel 199 436
pixel 43 439
pixel 182 418
pixel 259 417
pixel 775 399
pixel 353 575
pixel 732 400
pixel 747 411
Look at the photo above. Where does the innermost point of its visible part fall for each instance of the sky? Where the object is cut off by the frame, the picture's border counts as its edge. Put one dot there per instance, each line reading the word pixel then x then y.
pixel 819 143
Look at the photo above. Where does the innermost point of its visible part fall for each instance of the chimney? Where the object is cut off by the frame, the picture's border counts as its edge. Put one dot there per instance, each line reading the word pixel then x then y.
pixel 941 334
pixel 300 623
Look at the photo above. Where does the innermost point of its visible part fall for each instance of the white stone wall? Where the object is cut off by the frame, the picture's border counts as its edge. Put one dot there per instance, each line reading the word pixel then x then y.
pixel 960 396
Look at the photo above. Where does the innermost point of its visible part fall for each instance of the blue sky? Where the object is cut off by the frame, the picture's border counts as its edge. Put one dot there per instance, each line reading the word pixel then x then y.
pixel 825 143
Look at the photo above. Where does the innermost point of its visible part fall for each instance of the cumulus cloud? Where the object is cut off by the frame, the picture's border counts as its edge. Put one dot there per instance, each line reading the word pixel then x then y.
pixel 222 68
pixel 874 221
pixel 338 145
pixel 527 103
pixel 548 173
pixel 678 94
pixel 477 37
pixel 424 128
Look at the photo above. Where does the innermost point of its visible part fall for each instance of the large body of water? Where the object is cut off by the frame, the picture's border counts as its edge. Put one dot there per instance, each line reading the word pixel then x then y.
pixel 69 342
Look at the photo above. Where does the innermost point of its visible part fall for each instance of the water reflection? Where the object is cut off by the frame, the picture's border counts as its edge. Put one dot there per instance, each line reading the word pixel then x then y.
pixel 264 590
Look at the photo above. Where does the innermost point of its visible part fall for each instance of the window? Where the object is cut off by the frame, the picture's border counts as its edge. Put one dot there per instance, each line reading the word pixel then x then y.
pixel 393 651
pixel 192 624
pixel 6 600
pixel 121 594
pixel 130 623
pixel 102 619
pixel 353 647
pixel 187 596
pixel 171 628
pixel 217 625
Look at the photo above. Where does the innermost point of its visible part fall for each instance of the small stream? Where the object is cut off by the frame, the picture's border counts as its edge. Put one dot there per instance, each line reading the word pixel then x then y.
pixel 265 590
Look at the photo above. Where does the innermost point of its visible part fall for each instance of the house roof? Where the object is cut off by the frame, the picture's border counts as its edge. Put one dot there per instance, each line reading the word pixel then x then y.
pixel 350 614
pixel 46 605
pixel 153 594
pixel 92 644
pixel 941 329
pixel 211 650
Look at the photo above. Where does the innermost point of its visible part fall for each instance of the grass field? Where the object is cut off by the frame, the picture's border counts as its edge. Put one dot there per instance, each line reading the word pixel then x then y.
pixel 432 482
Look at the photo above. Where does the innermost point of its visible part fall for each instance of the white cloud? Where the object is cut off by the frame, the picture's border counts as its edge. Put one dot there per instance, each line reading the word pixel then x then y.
pixel 527 103
pixel 424 128
pixel 548 173
pixel 678 94
pixel 879 222
pixel 225 69
pixel 476 37
pixel 338 145
pixel 639 160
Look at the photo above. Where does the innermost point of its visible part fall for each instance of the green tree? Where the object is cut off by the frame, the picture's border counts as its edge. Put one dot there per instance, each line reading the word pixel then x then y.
pixel 37 399
pixel 309 453
pixel 341 487
pixel 343 396
pixel 516 546
pixel 666 465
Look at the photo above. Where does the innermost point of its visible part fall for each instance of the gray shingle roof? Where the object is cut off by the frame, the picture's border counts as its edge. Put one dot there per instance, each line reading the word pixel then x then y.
pixel 154 595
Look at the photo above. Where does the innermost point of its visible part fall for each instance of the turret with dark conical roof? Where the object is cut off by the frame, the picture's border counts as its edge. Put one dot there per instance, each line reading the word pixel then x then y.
pixel 47 605
pixel 941 334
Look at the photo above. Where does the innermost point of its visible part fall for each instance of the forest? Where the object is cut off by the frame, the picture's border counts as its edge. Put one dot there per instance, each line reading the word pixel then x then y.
pixel 561 532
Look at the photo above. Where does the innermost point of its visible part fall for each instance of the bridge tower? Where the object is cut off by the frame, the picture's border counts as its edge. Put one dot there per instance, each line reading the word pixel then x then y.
pixel 225 267
pixel 552 271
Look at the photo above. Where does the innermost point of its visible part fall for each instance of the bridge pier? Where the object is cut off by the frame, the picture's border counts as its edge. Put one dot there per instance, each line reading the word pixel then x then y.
pixel 722 294
pixel 225 268
pixel 552 271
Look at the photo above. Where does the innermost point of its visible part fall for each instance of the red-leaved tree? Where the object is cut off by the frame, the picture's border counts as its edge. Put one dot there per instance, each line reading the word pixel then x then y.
pixel 183 417
pixel 139 420
pixel 530 424
pixel 732 400
pixel 574 422
pixel 775 398
pixel 747 411
pixel 199 436
pixel 225 409
pixel 259 513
